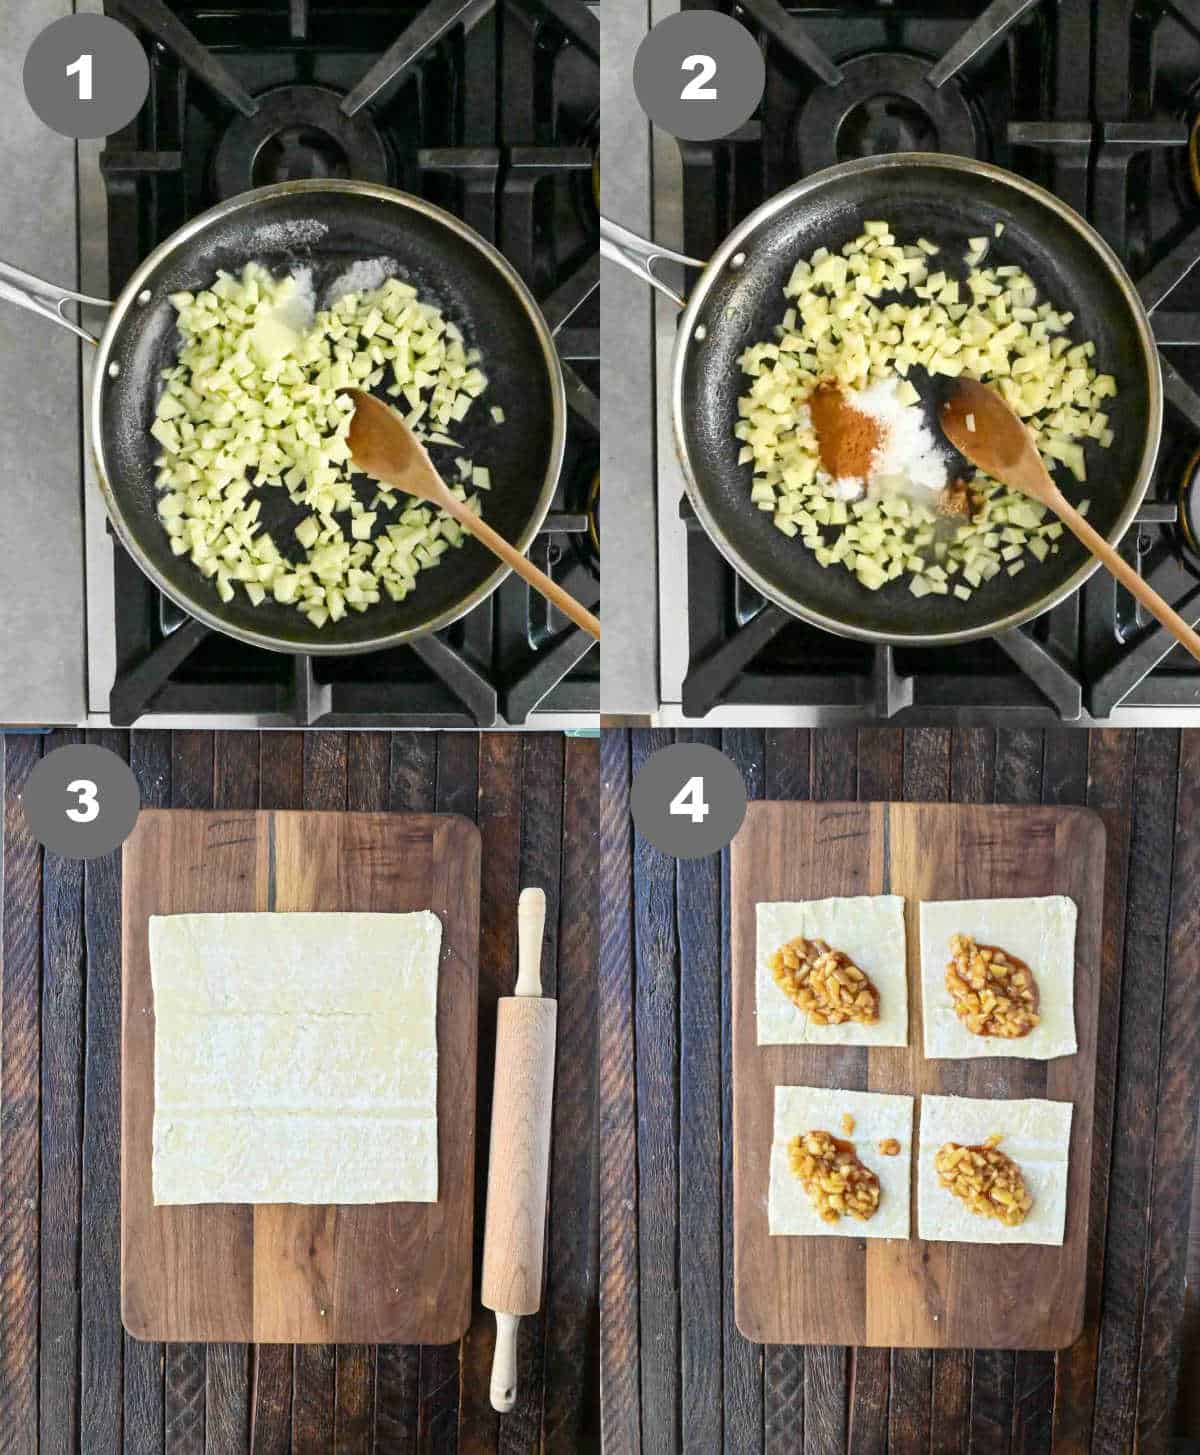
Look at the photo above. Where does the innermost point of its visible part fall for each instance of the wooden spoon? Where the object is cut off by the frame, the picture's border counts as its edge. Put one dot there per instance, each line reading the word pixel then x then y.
pixel 1001 446
pixel 384 446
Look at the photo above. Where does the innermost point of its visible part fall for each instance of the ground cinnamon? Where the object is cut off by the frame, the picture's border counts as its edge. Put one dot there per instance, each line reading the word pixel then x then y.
pixel 846 438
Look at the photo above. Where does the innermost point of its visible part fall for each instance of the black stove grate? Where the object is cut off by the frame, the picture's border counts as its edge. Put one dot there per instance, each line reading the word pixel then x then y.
pixel 488 108
pixel 1146 202
pixel 1011 83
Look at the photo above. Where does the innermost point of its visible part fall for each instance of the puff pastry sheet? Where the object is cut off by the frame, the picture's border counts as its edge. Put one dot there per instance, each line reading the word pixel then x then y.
pixel 295 1057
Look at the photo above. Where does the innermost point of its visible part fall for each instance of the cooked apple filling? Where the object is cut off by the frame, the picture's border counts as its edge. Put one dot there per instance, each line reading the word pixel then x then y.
pixel 825 983
pixel 837 1183
pixel 994 993
pixel 987 1180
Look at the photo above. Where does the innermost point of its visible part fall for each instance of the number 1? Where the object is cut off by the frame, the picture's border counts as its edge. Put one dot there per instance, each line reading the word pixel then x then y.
pixel 83 69
pixel 698 89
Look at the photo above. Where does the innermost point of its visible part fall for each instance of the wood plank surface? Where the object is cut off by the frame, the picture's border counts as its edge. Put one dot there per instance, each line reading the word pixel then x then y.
pixel 911 1293
pixel 284 1273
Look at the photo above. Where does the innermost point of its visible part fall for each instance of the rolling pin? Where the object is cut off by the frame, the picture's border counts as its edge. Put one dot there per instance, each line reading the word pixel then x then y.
pixel 518 1164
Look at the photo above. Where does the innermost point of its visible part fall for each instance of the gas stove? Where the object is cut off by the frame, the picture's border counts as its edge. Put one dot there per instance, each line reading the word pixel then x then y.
pixel 489 108
pixel 1011 82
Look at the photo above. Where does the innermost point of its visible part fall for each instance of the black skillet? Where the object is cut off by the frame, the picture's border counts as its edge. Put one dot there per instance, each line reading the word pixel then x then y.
pixel 327 226
pixel 739 300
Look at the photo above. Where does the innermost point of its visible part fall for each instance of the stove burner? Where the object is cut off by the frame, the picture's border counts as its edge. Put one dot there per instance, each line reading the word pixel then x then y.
pixel 886 124
pixel 884 104
pixel 298 131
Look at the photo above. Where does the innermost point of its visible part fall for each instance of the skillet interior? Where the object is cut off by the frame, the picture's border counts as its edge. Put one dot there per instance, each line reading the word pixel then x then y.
pixel 328 230
pixel 743 306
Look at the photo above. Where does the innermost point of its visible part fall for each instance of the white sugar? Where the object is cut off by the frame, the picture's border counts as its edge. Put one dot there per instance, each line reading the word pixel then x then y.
pixel 297 308
pixel 361 277
pixel 907 449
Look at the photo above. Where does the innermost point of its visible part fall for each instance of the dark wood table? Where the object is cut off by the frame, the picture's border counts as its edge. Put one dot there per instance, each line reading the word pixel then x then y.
pixel 70 1378
pixel 677 1374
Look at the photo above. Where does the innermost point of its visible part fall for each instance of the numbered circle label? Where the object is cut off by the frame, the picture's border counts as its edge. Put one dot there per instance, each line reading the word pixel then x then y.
pixel 81 802
pixel 86 75
pixel 699 75
pixel 688 800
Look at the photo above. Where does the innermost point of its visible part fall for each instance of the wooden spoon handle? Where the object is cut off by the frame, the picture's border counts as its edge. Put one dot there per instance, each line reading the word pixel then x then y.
pixel 1127 576
pixel 524 567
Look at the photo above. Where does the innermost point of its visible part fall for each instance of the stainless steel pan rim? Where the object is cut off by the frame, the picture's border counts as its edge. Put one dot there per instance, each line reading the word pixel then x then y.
pixel 741 240
pixel 129 299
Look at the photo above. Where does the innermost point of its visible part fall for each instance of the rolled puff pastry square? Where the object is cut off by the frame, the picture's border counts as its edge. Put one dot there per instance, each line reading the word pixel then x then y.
pixel 1035 1134
pixel 1039 931
pixel 876 1116
pixel 295 1057
pixel 868 928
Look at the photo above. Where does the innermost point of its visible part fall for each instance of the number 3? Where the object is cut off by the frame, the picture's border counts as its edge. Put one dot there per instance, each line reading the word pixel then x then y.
pixel 689 801
pixel 88 806
pixel 698 89
pixel 83 69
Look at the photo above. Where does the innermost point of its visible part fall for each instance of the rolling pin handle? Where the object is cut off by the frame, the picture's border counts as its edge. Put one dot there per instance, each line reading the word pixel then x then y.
pixel 504 1362
pixel 531 925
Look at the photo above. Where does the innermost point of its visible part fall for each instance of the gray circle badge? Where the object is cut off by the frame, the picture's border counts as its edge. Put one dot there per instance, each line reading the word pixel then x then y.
pixel 86 75
pixel 688 800
pixel 698 75
pixel 81 802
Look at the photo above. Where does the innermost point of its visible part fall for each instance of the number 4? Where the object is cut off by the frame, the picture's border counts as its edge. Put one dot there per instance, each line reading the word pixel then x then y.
pixel 689 801
pixel 698 89
pixel 83 69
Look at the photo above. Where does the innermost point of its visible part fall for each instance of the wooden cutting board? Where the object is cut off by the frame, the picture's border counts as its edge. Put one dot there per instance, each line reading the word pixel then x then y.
pixel 388 1273
pixel 794 1290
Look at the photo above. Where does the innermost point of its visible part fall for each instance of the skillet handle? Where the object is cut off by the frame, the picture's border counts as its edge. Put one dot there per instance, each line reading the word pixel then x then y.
pixel 46 299
pixel 638 255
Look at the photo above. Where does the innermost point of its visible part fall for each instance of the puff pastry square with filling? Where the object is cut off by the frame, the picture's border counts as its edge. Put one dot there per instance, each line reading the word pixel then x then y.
pixel 876 1117
pixel 867 928
pixel 1039 931
pixel 1035 1134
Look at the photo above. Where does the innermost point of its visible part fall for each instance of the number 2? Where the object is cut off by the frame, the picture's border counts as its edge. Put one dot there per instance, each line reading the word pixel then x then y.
pixel 88 806
pixel 698 89
pixel 83 69
pixel 689 801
